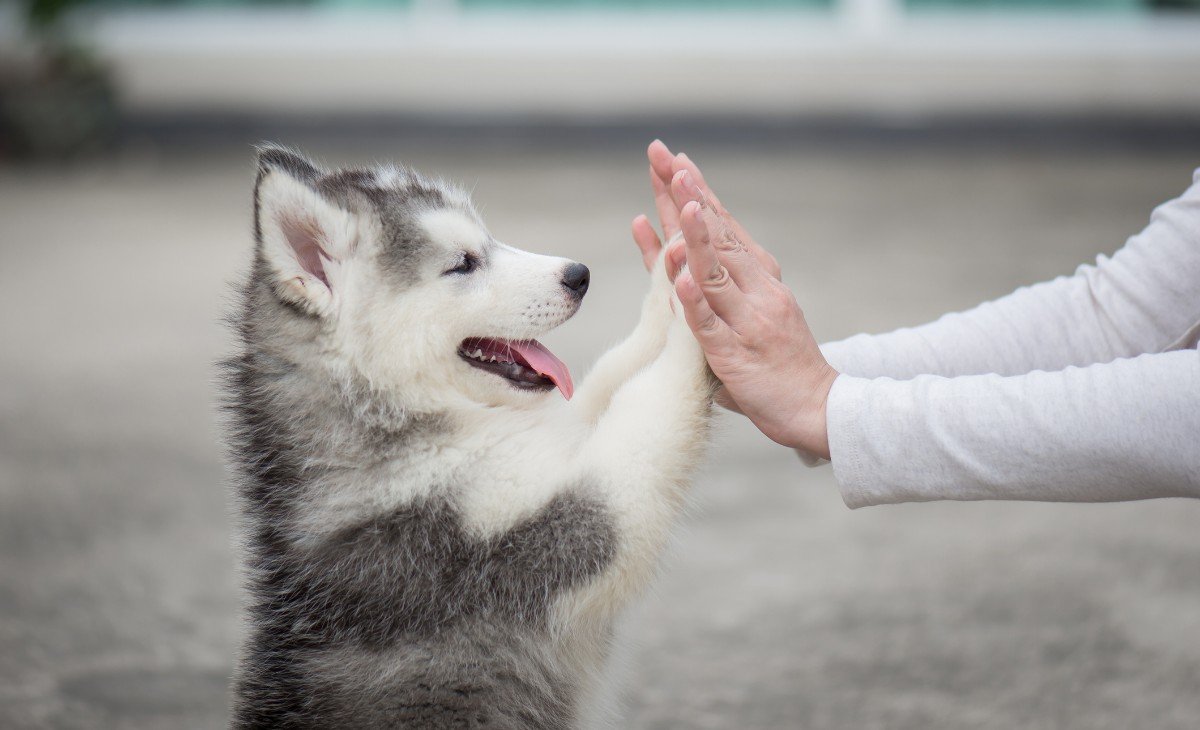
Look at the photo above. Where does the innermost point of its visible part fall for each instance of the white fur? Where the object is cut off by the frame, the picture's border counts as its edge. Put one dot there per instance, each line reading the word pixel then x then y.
pixel 288 205
pixel 631 435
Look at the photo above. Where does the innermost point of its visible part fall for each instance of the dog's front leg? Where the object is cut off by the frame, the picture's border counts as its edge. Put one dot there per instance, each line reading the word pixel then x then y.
pixel 642 454
pixel 635 352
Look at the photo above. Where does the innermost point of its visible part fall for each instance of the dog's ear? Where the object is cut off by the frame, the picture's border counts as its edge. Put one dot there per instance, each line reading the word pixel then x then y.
pixel 304 238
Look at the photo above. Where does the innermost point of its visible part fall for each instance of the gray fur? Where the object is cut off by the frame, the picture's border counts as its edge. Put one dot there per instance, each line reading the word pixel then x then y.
pixel 405 618
pixel 394 195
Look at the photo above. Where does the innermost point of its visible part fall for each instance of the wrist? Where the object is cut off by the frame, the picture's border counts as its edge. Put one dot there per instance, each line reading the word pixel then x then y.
pixel 810 429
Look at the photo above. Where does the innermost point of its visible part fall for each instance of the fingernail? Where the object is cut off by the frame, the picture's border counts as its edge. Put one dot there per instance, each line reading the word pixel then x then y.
pixel 689 184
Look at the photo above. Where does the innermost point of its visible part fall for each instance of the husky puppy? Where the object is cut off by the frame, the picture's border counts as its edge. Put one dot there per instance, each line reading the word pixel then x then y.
pixel 433 538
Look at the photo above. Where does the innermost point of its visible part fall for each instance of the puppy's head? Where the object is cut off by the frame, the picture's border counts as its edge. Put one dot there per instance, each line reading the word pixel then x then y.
pixel 409 289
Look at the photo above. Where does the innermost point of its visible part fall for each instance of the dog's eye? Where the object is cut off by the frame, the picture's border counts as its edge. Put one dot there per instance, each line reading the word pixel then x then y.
pixel 468 263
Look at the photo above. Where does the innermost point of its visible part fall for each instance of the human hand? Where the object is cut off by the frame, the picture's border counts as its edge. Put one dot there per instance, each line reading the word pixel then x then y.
pixel 752 330
pixel 664 165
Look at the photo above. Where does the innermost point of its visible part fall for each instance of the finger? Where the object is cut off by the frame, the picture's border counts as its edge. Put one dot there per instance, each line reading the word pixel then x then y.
pixel 715 336
pixel 682 162
pixel 732 253
pixel 668 212
pixel 723 295
pixel 660 182
pixel 683 190
pixel 646 240
pixel 676 257
pixel 661 160
pixel 765 259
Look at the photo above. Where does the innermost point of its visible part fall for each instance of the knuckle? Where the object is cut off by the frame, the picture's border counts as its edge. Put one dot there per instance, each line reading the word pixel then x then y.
pixel 773 265
pixel 708 324
pixel 727 244
pixel 728 241
pixel 717 278
pixel 780 298
pixel 755 338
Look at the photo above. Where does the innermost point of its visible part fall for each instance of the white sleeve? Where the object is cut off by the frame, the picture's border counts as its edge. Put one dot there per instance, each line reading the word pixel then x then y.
pixel 1145 298
pixel 1128 429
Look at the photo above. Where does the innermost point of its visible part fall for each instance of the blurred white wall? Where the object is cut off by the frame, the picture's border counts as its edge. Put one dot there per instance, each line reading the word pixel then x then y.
pixel 866 57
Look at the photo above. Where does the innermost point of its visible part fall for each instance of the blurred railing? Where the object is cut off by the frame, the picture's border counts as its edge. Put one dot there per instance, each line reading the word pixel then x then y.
pixel 879 8
pixel 600 59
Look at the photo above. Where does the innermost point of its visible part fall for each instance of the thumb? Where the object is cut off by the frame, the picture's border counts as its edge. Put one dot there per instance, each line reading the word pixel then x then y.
pixel 647 240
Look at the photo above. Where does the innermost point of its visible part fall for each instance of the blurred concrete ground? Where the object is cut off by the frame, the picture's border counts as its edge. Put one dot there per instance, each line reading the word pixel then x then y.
pixel 779 608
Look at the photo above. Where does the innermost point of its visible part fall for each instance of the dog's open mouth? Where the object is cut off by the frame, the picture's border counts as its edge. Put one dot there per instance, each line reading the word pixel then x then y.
pixel 525 364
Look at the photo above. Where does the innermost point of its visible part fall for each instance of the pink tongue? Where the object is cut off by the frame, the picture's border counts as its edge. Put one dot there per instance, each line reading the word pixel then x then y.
pixel 544 361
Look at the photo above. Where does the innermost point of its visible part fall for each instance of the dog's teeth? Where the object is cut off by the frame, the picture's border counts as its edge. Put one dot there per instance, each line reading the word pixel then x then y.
pixel 478 354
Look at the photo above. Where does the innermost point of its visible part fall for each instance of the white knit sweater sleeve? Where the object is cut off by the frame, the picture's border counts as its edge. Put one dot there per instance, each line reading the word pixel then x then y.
pixel 928 413
pixel 1127 429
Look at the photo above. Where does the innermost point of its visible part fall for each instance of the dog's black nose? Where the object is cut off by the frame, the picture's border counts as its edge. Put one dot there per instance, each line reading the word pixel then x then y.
pixel 576 278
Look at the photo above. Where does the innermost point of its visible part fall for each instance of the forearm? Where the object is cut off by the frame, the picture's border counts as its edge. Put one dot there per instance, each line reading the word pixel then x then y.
pixel 1129 429
pixel 618 365
pixel 1049 326
pixel 635 352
